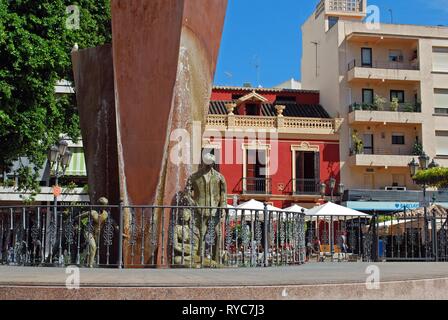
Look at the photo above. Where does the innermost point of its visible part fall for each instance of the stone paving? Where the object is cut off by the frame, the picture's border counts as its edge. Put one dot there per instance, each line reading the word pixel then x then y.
pixel 309 274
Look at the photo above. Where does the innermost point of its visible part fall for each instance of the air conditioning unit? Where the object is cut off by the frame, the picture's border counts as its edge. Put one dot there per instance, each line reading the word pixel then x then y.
pixel 395 189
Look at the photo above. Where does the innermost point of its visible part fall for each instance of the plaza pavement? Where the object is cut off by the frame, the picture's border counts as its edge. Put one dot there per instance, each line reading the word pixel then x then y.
pixel 310 281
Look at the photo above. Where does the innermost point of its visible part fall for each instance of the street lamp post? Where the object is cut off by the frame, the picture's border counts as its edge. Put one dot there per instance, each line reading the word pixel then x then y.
pixel 414 166
pixel 60 157
pixel 332 185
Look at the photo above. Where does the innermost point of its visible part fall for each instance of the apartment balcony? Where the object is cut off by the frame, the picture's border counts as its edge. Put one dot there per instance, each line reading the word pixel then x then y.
pixel 382 157
pixel 305 187
pixel 406 113
pixel 341 7
pixel 294 125
pixel 384 70
pixel 257 186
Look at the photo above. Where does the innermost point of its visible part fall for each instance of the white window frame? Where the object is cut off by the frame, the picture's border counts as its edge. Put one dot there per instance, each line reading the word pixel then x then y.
pixel 255 146
pixel 445 135
pixel 303 147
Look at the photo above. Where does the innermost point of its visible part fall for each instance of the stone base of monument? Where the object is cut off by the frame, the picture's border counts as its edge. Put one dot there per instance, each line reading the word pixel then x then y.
pixel 311 281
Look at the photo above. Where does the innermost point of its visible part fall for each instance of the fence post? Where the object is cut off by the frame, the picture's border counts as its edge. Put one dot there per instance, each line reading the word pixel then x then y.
pixel 434 235
pixel 375 239
pixel 265 233
pixel 120 236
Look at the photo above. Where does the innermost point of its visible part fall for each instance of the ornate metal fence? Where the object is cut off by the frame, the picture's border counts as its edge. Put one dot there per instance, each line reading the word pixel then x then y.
pixel 146 236
pixel 411 235
pixel 338 238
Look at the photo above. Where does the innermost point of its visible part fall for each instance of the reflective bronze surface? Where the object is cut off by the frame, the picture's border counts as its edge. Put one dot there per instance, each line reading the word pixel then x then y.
pixel 164 60
pixel 94 80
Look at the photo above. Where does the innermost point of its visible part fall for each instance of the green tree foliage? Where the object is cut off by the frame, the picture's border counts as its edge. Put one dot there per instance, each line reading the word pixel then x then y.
pixel 35 52
pixel 435 177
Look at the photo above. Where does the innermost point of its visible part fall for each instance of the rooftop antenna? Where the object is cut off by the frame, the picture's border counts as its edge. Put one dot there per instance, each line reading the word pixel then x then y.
pixel 391 16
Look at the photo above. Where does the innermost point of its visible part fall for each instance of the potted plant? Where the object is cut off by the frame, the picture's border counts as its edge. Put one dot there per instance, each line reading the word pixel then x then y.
pixel 379 102
pixel 417 149
pixel 408 107
pixel 394 105
pixel 358 144
pixel 355 106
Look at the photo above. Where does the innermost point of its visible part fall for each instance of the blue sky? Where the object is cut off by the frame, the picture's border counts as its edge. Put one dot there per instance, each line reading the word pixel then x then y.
pixel 266 33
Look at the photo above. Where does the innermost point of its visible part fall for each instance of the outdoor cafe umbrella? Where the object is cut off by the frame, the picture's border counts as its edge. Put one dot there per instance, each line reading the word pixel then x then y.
pixel 252 208
pixel 296 209
pixel 255 207
pixel 330 210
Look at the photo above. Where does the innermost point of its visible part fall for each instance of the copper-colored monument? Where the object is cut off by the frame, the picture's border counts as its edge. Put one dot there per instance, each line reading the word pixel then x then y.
pixel 156 78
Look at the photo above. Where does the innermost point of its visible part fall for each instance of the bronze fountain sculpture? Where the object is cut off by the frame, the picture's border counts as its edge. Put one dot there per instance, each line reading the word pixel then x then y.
pixel 155 77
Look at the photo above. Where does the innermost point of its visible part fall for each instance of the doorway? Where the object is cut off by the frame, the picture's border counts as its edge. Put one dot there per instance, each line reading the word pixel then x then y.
pixel 307 170
pixel 366 57
pixel 367 139
pixel 256 171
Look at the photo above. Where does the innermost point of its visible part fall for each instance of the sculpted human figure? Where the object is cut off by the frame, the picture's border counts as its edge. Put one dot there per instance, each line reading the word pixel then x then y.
pixel 209 190
pixel 186 239
pixel 92 235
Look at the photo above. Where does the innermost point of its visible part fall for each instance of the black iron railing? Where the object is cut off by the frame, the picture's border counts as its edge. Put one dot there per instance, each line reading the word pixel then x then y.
pixel 400 236
pixel 306 186
pixel 130 237
pixel 262 186
pixel 149 236
pixel 338 238
pixel 411 235
pixel 402 107
pixel 394 65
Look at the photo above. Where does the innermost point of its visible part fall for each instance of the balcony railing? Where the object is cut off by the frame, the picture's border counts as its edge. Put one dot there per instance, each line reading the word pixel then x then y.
pixel 262 186
pixel 348 6
pixel 394 65
pixel 392 151
pixel 280 123
pixel 402 107
pixel 306 186
pixel 354 6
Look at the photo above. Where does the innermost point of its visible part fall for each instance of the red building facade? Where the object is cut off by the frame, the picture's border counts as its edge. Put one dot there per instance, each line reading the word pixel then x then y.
pixel 273 145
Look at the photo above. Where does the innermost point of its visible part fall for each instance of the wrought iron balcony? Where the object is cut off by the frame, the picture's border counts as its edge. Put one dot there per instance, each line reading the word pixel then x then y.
pixel 261 186
pixel 305 186
pixel 402 107
pixel 387 151
pixel 378 64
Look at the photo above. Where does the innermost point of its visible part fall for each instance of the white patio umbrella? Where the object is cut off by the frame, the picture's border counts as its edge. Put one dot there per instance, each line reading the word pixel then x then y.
pixel 296 209
pixel 331 211
pixel 335 210
pixel 254 207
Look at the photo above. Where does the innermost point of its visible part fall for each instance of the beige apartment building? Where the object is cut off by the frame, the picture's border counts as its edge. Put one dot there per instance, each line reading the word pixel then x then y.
pixel 389 82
